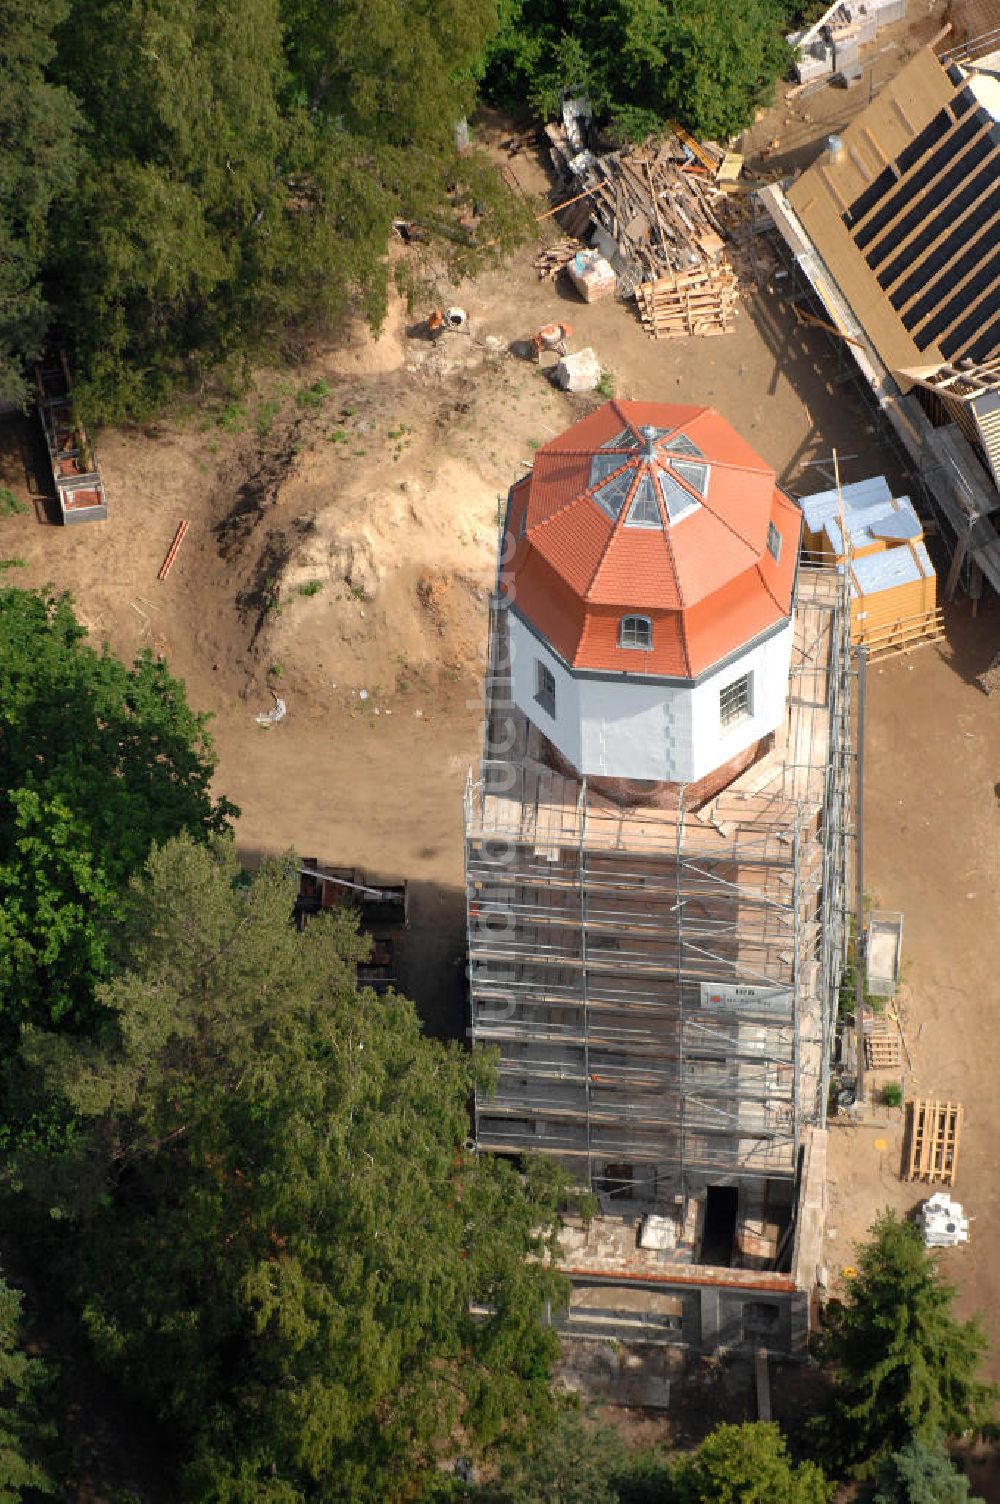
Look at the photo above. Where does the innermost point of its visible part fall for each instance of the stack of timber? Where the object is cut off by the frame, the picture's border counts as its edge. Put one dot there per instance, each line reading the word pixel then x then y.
pixel 935 1130
pixel 881 1045
pixel 552 258
pixel 654 213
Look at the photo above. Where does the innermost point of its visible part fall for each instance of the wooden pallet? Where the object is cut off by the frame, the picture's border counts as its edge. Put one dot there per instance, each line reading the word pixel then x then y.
pixel 935 1130
pixel 700 301
pixel 881 1046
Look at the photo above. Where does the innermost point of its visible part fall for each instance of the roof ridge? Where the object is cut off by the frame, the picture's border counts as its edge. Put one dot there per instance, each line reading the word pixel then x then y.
pixel 616 524
pixel 676 574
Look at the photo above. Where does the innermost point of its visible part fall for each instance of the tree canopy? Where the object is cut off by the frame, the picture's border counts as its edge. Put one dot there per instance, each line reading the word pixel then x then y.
pixel 22 1435
pixel 920 1473
pixel 97 761
pixel 38 159
pixel 706 63
pixel 185 181
pixel 283 1245
pixel 225 169
pixel 905 1368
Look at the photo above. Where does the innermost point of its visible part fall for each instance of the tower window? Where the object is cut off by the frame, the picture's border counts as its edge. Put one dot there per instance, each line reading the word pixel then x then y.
pixel 773 542
pixel 736 701
pixel 545 688
pixel 635 632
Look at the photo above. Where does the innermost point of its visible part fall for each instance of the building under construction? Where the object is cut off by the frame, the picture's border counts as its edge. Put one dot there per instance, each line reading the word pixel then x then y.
pixel 895 231
pixel 655 863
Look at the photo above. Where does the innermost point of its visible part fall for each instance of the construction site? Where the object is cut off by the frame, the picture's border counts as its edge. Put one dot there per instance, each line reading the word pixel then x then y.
pixel 646 911
pixel 658 964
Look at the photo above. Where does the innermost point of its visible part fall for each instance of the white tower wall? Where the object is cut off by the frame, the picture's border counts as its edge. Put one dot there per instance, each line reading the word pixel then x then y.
pixel 666 733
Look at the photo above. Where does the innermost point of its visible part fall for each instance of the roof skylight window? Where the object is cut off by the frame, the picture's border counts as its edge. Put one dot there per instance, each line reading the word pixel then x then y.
pixel 681 444
pixel 679 502
pixel 644 512
pixel 611 496
pixel 624 440
pixel 603 465
pixel 693 473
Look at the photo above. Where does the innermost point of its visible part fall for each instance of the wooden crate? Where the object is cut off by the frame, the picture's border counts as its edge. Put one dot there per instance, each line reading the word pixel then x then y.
pixel 935 1130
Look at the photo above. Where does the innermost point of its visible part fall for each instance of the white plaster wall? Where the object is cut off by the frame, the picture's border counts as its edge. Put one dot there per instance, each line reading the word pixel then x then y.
pixel 769 663
pixel 667 733
pixel 564 731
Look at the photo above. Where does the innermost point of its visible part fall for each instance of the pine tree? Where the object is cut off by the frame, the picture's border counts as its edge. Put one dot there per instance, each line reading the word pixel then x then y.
pixel 905 1368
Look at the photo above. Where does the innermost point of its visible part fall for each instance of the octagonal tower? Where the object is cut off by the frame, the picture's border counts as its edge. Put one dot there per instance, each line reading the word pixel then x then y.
pixel 651 568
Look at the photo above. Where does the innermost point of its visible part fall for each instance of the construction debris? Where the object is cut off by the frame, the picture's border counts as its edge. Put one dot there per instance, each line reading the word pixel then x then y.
pixel 580 372
pixel 591 275
pixel 989 679
pixel 272 717
pixel 942 1222
pixel 652 213
pixel 832 44
pixel 552 258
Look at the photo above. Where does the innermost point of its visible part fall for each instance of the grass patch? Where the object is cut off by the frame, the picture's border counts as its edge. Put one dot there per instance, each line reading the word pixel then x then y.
pixel 314 396
pixel 606 386
pixel 233 418
pixel 892 1094
pixel 310 587
pixel 266 414
pixel 9 504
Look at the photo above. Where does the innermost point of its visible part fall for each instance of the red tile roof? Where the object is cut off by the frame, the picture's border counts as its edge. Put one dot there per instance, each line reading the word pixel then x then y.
pixel 702 572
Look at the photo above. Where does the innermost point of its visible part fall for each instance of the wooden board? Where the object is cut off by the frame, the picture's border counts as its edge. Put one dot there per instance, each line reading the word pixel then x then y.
pixel 934 1132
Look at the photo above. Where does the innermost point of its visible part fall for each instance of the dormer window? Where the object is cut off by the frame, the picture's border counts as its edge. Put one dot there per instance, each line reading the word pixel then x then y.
pixel 635 632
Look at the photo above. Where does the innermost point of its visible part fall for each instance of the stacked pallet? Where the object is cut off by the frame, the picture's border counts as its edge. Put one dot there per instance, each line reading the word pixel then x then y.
pixel 657 204
pixel 697 302
pixel 881 1045
pixel 935 1131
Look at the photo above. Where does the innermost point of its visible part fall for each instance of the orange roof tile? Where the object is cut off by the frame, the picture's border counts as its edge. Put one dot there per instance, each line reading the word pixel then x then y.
pixel 660 510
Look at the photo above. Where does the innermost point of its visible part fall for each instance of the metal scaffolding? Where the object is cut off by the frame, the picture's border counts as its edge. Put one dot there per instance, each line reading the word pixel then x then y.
pixel 661 983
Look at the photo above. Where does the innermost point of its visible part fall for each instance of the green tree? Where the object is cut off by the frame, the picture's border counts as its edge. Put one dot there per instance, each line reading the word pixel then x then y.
pixel 920 1473
pixel 747 1464
pixel 706 63
pixel 283 1245
pixel 570 1463
pixel 97 761
pixel 38 123
pixel 245 161
pixel 22 1436
pixel 904 1367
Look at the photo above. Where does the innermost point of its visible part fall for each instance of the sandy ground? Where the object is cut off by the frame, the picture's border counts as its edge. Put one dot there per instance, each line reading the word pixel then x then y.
pixel 342 541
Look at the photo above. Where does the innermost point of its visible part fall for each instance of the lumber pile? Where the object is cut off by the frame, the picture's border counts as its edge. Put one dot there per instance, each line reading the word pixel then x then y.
pixel 552 258
pixel 655 211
